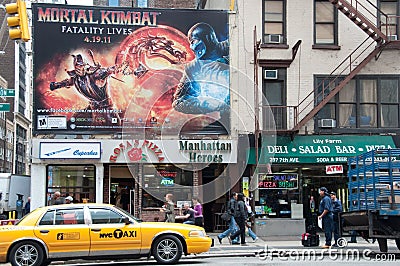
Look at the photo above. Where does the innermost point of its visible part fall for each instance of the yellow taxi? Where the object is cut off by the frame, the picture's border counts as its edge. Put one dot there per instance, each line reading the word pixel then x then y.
pixel 88 231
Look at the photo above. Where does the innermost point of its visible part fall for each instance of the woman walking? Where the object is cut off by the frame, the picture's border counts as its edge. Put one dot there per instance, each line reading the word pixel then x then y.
pixel 198 212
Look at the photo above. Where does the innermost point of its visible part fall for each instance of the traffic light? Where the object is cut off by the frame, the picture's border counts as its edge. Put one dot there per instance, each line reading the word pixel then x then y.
pixel 19 22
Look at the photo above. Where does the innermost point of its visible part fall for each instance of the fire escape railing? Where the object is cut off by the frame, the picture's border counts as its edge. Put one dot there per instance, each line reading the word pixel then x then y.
pixel 323 93
pixel 366 13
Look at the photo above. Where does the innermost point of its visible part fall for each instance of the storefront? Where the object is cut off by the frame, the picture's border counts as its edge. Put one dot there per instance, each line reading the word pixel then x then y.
pixel 291 171
pixel 133 174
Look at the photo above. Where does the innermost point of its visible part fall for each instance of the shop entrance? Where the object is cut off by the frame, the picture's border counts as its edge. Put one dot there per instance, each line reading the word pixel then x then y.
pixel 122 188
pixel 311 186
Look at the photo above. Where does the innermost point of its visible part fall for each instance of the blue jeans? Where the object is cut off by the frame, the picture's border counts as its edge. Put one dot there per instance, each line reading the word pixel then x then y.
pixel 327 223
pixel 251 234
pixel 336 233
pixel 230 231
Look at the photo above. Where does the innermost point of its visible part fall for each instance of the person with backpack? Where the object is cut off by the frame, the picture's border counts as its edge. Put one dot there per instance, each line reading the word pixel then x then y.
pixel 240 215
pixel 230 209
pixel 250 220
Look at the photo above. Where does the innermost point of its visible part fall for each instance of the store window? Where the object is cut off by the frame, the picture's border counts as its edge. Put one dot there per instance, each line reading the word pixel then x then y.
pixel 77 181
pixel 276 193
pixel 159 180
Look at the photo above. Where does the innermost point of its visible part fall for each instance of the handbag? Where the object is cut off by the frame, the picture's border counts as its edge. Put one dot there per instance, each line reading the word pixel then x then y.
pixel 226 217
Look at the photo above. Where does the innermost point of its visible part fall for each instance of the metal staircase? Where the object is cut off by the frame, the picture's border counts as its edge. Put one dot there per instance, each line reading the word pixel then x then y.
pixel 362 15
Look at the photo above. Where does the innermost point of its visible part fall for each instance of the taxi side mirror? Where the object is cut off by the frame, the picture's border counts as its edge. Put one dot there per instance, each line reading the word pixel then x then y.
pixel 126 220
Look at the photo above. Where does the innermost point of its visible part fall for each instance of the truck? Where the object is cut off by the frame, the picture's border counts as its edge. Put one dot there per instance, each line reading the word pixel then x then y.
pixel 374 196
pixel 14 191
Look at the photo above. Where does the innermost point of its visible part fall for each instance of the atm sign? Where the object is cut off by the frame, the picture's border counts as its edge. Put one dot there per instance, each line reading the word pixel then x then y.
pixel 334 169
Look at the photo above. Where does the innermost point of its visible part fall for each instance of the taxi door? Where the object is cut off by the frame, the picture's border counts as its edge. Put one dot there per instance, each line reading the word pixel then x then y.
pixel 110 235
pixel 64 232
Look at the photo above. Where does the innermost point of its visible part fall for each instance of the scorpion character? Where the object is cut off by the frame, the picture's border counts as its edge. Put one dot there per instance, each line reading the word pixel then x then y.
pixel 92 82
pixel 204 87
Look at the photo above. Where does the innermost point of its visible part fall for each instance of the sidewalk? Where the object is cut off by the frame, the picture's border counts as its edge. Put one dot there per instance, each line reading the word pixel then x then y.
pixel 286 244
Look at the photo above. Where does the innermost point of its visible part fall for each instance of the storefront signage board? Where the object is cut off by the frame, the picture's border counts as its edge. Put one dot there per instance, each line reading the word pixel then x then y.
pixel 277 181
pixel 70 150
pixel 320 149
pixel 170 151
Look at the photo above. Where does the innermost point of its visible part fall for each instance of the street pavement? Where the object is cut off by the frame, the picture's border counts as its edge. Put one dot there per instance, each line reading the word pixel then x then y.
pixel 286 244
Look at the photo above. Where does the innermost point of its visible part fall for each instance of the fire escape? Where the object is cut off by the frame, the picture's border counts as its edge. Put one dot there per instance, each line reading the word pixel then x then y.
pixel 375 24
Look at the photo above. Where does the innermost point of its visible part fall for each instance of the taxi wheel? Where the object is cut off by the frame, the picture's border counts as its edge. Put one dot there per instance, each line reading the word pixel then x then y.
pixel 167 249
pixel 26 254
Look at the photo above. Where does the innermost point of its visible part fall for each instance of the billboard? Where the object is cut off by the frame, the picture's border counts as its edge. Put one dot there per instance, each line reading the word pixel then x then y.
pixel 108 70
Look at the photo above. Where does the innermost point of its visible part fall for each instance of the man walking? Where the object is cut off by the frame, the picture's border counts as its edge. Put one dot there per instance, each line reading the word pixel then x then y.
pixel 337 209
pixel 232 223
pixel 326 214
pixel 240 218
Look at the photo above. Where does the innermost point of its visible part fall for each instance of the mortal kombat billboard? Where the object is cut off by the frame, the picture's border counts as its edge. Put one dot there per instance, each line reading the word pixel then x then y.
pixel 108 70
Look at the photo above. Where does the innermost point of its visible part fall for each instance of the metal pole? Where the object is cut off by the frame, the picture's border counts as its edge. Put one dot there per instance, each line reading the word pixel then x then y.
pixel 256 108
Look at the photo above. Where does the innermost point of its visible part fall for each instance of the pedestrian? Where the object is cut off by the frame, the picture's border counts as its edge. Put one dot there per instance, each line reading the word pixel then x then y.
pixel 2 206
pixel 250 219
pixel 124 201
pixel 326 214
pixel 353 234
pixel 337 209
pixel 169 209
pixel 56 199
pixel 198 211
pixel 240 218
pixel 230 209
pixel 27 208
pixel 69 200
pixel 188 214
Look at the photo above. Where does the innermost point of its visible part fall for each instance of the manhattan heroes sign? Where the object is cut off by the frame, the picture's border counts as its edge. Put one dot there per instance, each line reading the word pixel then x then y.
pixel 321 149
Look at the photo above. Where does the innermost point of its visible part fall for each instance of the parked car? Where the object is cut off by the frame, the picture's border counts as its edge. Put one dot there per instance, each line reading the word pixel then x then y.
pixel 88 231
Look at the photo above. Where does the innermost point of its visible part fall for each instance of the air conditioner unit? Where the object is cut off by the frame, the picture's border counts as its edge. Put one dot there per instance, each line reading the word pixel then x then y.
pixel 270 74
pixel 392 37
pixel 274 38
pixel 327 123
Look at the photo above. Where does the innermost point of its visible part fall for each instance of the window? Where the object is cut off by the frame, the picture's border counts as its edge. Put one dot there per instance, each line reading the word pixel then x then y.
pixel 388 25
pixel 105 216
pixel 113 2
pixel 48 218
pixel 274 21
pixel 77 181
pixel 389 91
pixel 162 179
pixel 275 99
pixel 142 3
pixel 325 23
pixel 365 102
pixel 60 217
